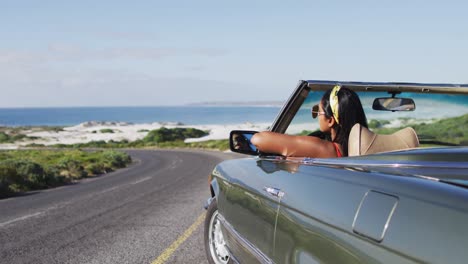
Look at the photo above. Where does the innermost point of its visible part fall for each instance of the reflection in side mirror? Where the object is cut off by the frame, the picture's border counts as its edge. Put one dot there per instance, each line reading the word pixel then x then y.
pixel 393 104
pixel 239 141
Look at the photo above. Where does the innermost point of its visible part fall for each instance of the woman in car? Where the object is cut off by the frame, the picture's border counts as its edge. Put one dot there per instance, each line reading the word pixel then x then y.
pixel 338 111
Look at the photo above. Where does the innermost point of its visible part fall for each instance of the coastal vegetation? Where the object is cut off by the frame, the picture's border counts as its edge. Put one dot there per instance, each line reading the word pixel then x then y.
pixel 7 138
pixel 20 129
pixel 449 130
pixel 106 130
pixel 15 134
pixel 160 138
pixel 27 170
pixel 13 137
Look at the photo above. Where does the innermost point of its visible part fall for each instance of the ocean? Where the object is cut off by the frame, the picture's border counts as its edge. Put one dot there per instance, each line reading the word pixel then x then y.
pixel 187 115
pixel 441 106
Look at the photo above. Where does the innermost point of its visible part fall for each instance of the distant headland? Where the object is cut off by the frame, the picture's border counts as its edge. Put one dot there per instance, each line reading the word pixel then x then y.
pixel 239 103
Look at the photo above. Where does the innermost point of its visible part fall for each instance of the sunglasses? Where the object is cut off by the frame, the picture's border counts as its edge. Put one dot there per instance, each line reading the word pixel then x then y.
pixel 315 111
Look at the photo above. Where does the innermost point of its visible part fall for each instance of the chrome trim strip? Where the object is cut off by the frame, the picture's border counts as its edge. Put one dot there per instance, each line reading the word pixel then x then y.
pixel 274 191
pixel 389 164
pixel 386 222
pixel 257 253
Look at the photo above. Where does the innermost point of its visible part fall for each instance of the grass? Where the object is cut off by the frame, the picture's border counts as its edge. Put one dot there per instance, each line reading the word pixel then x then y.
pixel 27 170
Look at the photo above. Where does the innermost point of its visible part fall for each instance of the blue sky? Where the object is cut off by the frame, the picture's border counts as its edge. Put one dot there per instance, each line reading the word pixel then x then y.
pixel 132 53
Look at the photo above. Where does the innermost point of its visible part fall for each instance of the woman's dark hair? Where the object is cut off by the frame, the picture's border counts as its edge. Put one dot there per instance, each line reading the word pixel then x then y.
pixel 350 112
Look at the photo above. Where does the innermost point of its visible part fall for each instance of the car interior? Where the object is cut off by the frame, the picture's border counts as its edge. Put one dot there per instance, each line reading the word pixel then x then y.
pixel 382 102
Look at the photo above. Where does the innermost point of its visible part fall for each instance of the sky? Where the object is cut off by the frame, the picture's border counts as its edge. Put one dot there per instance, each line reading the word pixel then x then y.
pixel 152 53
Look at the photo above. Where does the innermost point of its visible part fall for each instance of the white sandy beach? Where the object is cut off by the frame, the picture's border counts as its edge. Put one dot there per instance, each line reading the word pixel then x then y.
pixel 91 131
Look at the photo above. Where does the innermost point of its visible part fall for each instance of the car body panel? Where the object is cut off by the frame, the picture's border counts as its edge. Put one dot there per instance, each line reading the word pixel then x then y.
pixel 330 227
pixel 306 185
pixel 249 207
pixel 406 206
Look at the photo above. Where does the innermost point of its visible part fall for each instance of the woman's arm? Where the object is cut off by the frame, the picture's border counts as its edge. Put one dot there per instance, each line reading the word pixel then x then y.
pixel 293 146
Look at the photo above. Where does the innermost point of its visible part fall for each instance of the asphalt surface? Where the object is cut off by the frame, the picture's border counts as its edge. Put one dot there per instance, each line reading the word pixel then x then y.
pixel 129 216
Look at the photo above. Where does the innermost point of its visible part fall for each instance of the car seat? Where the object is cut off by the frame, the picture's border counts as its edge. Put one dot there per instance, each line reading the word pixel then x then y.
pixel 362 141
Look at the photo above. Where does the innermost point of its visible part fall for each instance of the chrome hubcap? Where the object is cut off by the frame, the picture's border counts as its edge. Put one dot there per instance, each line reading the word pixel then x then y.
pixel 218 248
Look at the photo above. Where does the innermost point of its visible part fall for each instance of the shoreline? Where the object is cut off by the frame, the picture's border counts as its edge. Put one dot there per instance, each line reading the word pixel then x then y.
pixel 118 131
pixel 98 131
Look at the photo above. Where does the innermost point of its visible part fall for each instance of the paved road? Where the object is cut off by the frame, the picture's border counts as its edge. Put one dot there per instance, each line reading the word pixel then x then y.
pixel 149 212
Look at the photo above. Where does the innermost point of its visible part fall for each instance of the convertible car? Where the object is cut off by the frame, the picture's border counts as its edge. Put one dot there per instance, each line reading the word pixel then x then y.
pixel 401 196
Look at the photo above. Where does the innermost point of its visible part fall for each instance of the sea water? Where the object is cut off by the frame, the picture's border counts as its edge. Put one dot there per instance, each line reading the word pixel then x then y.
pixel 435 106
pixel 187 115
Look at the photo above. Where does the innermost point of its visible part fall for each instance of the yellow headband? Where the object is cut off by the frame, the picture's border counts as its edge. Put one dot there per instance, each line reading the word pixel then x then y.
pixel 334 102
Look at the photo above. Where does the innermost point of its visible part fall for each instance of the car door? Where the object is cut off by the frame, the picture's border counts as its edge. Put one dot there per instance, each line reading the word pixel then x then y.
pixel 318 209
pixel 249 207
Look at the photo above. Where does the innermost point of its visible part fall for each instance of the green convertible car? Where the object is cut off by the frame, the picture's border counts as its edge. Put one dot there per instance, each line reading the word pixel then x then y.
pixel 401 196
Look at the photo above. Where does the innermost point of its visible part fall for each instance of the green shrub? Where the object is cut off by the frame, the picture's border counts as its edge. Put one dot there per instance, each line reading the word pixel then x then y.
pixel 11 138
pixel 116 159
pixel 54 178
pixel 71 167
pixel 9 178
pixel 210 144
pixel 25 170
pixel 32 173
pixel 23 175
pixel 94 169
pixel 176 134
pixel 106 130
pixel 18 137
pixel 450 130
pixel 4 137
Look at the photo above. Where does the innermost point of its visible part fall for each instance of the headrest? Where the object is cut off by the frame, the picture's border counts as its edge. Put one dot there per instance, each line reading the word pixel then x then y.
pixel 362 141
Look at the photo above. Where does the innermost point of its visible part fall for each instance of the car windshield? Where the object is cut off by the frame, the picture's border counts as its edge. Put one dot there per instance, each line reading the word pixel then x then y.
pixel 439 119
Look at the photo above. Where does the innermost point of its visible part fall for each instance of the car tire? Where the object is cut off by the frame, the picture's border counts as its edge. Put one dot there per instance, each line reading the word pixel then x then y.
pixel 215 246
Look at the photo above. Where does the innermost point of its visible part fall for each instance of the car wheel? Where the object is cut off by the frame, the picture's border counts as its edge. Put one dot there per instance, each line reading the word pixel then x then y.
pixel 215 245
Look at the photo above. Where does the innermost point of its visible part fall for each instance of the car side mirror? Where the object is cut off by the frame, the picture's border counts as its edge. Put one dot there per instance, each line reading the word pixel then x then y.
pixel 393 104
pixel 239 141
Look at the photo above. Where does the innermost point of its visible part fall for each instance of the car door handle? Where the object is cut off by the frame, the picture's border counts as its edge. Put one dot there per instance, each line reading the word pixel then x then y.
pixel 274 191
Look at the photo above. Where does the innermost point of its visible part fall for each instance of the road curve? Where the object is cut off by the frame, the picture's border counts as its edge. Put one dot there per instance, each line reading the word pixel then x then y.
pixel 134 215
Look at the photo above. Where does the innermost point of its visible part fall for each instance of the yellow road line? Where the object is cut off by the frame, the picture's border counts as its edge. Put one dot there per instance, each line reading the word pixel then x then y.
pixel 172 248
